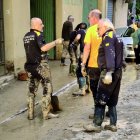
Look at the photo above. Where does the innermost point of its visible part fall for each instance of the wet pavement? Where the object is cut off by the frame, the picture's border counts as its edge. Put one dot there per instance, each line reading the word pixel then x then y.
pixel 15 126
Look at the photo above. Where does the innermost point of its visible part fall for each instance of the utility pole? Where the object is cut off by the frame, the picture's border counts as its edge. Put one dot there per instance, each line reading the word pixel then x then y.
pixel 134 9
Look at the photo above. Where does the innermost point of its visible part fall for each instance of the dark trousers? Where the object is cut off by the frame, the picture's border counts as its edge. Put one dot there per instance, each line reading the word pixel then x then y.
pixel 109 95
pixel 137 54
pixel 94 75
pixel 99 114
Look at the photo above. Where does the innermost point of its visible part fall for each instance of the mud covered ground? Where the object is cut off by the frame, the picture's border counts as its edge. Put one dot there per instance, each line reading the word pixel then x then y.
pixel 75 113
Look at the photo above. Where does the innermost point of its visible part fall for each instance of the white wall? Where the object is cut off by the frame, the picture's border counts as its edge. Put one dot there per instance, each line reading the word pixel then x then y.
pixel 64 8
pixel 120 14
pixel 73 7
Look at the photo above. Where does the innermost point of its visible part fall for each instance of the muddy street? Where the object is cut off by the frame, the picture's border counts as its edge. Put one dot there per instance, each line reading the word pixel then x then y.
pixel 69 126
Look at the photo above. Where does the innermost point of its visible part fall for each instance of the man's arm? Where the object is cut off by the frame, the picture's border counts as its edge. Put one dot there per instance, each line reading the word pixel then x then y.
pixel 85 57
pixel 52 44
pixel 77 38
pixel 86 53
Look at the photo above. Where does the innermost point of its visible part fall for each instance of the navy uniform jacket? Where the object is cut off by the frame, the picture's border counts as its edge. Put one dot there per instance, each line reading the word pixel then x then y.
pixel 81 41
pixel 33 41
pixel 110 55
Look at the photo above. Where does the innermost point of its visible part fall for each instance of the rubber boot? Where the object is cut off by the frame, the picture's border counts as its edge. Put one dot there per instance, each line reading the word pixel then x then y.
pixel 113 119
pixel 99 115
pixel 46 106
pixel 73 70
pixel 31 103
pixel 63 62
pixel 98 119
pixel 82 87
pixel 82 82
pixel 55 103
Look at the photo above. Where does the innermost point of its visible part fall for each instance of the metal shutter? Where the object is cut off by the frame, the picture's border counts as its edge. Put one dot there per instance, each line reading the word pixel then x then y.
pixel 110 10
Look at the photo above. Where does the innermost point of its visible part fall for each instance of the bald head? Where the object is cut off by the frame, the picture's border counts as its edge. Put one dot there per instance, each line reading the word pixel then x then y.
pixel 36 23
pixel 94 16
pixel 96 13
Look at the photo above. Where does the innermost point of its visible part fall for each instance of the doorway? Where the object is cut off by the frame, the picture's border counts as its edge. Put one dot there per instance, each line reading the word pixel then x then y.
pixel 45 9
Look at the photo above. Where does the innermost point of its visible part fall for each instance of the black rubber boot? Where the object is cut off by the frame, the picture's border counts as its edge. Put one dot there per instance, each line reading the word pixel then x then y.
pixel 63 62
pixel 55 103
pixel 99 115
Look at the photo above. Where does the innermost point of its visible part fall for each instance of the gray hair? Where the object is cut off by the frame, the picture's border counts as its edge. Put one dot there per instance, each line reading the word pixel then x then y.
pixel 107 23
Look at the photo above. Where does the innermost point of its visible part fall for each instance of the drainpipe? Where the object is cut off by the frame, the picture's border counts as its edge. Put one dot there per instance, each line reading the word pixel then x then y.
pixel 134 9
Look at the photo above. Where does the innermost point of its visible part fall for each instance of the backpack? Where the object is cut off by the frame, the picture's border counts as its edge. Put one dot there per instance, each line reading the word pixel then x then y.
pixel 119 53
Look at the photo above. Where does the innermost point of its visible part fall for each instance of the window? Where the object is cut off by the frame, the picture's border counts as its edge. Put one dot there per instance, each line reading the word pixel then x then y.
pixel 128 32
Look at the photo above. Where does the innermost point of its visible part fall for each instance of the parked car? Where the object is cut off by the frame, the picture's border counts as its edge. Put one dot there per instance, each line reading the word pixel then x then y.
pixel 125 34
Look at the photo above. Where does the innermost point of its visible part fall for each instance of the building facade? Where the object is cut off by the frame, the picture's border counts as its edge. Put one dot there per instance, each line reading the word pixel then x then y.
pixel 15 22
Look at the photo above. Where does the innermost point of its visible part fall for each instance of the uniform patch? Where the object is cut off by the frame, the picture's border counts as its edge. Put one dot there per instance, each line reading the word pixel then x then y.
pixel 107 44
pixel 110 34
pixel 38 33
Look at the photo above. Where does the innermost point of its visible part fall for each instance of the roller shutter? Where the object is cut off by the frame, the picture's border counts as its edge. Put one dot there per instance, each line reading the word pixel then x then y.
pixel 110 10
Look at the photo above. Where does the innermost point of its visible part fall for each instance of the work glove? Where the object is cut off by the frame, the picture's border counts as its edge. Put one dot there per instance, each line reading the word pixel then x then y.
pixel 83 70
pixel 107 78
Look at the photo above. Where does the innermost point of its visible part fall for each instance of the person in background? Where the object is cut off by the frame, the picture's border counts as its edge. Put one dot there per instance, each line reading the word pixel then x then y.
pixel 37 68
pixel 83 81
pixel 110 62
pixel 72 48
pixel 66 31
pixel 136 45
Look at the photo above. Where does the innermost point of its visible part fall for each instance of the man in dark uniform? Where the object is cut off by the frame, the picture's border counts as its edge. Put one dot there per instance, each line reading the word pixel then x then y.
pixel 66 31
pixel 37 67
pixel 110 62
